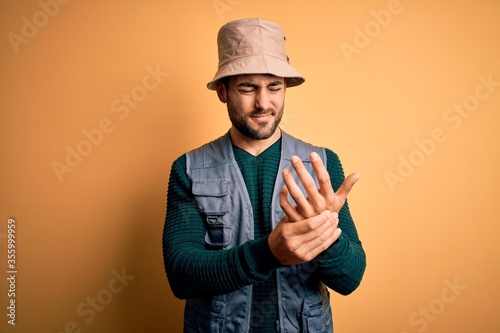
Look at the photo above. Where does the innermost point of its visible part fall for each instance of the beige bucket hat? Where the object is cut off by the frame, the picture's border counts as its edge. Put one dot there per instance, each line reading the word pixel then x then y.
pixel 253 46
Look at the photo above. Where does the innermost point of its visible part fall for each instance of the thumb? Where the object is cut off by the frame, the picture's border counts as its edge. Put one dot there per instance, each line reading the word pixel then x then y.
pixel 348 184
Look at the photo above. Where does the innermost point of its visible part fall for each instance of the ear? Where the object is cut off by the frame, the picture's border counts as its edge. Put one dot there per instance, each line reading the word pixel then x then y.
pixel 221 91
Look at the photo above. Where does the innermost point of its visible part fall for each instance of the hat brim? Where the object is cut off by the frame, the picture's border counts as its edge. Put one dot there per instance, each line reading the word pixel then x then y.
pixel 258 64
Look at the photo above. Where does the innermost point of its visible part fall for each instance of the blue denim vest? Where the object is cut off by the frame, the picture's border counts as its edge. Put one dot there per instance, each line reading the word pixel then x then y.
pixel 221 196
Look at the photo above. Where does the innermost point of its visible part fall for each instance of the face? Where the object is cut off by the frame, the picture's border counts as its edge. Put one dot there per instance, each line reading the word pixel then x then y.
pixel 255 104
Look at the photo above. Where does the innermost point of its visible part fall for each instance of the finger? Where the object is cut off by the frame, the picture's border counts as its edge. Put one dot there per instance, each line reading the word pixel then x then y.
pixel 301 201
pixel 325 239
pixel 289 210
pixel 323 233
pixel 318 246
pixel 325 236
pixel 347 186
pixel 300 247
pixel 325 185
pixel 314 198
pixel 314 227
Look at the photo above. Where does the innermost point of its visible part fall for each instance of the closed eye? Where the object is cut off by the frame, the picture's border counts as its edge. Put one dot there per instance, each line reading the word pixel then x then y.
pixel 249 87
pixel 246 91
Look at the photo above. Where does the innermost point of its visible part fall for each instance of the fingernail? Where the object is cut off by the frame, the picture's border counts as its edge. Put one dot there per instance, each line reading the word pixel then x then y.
pixel 314 156
pixel 294 159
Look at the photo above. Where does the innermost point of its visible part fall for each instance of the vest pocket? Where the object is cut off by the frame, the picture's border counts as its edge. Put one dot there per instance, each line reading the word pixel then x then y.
pixel 213 201
pixel 218 234
pixel 314 317
pixel 201 318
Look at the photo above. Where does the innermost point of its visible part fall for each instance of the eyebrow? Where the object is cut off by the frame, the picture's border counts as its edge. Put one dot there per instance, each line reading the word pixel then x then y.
pixel 249 84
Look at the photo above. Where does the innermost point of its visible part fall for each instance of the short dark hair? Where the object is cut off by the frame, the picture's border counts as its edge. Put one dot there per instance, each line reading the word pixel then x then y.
pixel 225 81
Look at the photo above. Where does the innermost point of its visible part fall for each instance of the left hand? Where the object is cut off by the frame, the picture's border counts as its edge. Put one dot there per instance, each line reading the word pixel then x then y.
pixel 318 199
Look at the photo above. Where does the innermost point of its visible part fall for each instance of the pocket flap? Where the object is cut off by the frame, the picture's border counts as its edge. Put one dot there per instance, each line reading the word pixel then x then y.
pixel 211 188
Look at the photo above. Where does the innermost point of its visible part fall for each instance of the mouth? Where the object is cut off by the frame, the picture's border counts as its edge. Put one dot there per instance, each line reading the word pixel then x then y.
pixel 261 116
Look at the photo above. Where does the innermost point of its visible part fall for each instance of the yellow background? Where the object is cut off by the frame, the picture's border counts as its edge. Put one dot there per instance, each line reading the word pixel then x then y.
pixel 435 226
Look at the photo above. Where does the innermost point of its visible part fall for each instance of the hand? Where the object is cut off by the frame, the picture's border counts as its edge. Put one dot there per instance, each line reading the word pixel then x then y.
pixel 294 243
pixel 311 226
pixel 318 199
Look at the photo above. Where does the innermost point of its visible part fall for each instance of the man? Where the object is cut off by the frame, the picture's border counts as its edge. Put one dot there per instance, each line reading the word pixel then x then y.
pixel 257 226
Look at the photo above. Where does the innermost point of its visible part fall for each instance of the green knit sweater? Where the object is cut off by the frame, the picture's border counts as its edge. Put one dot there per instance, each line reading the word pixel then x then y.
pixel 194 271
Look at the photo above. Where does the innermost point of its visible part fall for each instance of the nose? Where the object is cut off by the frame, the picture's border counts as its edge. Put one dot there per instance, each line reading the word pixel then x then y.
pixel 262 100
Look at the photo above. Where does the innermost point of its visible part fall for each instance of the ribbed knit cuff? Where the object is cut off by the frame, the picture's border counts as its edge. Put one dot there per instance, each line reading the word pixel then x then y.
pixel 334 252
pixel 258 259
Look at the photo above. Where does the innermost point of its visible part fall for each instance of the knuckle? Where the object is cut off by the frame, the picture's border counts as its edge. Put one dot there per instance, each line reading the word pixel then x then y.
pixel 319 235
pixel 325 176
pixel 292 246
pixel 310 224
pixel 308 182
pixel 323 238
pixel 320 205
pixel 283 205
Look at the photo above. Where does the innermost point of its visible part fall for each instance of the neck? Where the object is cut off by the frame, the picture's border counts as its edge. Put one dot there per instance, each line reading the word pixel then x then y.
pixel 254 147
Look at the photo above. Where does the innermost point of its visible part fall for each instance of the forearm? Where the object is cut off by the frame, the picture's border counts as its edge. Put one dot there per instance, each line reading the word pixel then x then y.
pixel 342 265
pixel 198 272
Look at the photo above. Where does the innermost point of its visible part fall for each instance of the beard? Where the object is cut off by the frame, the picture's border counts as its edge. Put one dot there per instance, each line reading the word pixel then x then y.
pixel 264 130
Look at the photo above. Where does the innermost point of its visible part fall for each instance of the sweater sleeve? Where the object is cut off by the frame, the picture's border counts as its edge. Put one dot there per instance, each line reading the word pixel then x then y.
pixel 192 269
pixel 342 265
